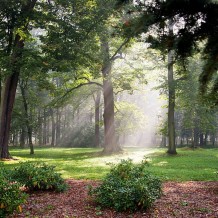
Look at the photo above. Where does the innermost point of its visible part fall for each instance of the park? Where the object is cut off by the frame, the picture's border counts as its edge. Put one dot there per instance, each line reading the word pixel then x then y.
pixel 108 108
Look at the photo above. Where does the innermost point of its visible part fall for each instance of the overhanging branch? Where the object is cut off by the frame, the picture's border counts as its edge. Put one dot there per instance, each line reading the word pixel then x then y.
pixel 76 87
pixel 114 57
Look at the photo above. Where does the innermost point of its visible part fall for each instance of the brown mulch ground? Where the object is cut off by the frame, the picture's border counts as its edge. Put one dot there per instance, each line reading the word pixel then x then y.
pixel 182 200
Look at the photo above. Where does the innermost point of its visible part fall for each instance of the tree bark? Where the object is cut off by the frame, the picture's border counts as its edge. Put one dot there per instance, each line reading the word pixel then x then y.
pixel 171 101
pixel 110 143
pixel 22 137
pixel 52 128
pixel 27 118
pixel 58 126
pixel 8 97
pixel 44 132
pixel 97 119
pixel 39 128
pixel 47 130
pixel 201 139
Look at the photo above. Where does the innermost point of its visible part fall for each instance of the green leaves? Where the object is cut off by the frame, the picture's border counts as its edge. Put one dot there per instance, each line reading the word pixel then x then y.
pixel 128 186
pixel 38 177
pixel 11 197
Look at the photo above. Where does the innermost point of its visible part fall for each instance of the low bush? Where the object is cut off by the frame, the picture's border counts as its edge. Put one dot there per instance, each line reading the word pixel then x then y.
pixel 38 176
pixel 128 186
pixel 11 197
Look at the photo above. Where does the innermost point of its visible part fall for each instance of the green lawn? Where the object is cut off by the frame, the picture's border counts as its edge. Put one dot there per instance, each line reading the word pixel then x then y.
pixel 88 163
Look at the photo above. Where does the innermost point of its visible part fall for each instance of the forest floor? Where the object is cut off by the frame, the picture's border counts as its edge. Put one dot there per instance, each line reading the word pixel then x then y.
pixel 179 199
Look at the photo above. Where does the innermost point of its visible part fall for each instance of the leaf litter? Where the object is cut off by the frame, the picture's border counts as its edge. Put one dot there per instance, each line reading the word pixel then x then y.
pixel 193 199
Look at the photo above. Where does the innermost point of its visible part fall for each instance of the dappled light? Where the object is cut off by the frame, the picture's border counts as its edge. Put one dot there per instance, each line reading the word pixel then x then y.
pixel 118 95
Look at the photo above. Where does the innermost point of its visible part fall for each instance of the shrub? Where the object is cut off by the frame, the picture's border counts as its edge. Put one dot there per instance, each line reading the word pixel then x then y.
pixel 128 187
pixel 38 176
pixel 11 197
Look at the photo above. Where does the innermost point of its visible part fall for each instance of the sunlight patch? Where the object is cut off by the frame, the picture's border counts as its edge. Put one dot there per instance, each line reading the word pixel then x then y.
pixel 162 163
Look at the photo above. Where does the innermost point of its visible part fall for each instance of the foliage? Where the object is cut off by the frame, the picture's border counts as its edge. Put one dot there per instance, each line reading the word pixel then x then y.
pixel 129 118
pixel 11 197
pixel 128 187
pixel 194 20
pixel 38 176
pixel 81 137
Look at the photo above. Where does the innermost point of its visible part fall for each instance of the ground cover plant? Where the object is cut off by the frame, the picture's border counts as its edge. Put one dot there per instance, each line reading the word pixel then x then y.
pixel 38 176
pixel 11 197
pixel 26 176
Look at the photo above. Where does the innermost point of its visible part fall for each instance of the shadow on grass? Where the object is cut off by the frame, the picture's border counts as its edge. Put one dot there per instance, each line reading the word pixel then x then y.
pixel 70 154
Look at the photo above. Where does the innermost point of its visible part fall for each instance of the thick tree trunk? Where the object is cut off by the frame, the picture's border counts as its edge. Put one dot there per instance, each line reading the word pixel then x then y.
pixel 171 103
pixel 110 143
pixel 97 119
pixel 8 97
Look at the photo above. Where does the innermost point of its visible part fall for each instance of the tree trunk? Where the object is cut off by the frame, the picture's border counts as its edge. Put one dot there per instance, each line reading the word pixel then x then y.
pixel 52 128
pixel 205 139
pixel 39 128
pixel 97 119
pixel 201 139
pixel 58 127
pixel 109 125
pixel 27 118
pixel 163 141
pixel 44 137
pixel 171 103
pixel 22 137
pixel 195 138
pixel 212 139
pixel 8 97
pixel 48 131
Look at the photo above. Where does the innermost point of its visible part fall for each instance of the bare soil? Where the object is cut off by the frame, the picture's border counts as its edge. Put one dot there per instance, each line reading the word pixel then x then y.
pixel 186 199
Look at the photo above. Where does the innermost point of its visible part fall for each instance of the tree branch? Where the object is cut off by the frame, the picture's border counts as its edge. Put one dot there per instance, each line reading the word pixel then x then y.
pixel 76 87
pixel 114 57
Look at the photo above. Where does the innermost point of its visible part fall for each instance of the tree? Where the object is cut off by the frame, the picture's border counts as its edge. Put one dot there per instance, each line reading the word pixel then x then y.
pixel 197 21
pixel 16 19
pixel 171 95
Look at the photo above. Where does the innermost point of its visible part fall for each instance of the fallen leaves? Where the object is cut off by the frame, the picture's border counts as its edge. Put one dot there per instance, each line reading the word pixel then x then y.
pixel 186 199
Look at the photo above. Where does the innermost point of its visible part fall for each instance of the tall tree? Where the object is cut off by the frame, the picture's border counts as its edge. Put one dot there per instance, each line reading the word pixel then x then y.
pixel 15 45
pixel 108 93
pixel 171 93
pixel 28 115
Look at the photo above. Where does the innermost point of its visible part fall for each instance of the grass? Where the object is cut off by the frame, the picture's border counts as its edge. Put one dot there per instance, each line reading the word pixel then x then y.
pixel 88 163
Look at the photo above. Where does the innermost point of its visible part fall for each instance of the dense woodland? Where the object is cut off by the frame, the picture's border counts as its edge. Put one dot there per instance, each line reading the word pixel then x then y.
pixel 73 73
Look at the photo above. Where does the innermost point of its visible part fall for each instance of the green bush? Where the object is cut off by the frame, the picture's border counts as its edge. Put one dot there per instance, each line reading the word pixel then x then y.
pixel 38 176
pixel 128 187
pixel 11 197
